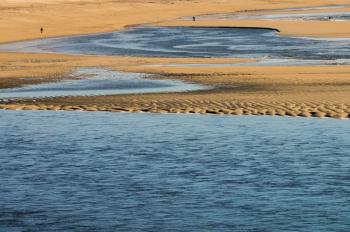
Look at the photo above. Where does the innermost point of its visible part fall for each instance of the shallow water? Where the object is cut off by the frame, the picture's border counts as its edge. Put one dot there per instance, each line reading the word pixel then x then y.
pixel 197 42
pixel 98 81
pixel 79 171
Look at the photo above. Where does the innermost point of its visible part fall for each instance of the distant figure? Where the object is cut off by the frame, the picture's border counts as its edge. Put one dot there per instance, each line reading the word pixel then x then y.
pixel 330 18
pixel 194 18
pixel 41 30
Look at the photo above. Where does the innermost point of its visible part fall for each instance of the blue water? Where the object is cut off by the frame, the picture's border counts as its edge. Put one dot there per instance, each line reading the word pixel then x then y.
pixel 79 171
pixel 196 42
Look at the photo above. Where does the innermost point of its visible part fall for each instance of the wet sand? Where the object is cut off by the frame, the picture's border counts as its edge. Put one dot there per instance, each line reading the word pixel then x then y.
pixel 294 91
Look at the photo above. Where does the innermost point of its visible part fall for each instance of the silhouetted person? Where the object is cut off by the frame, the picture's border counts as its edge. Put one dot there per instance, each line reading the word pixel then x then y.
pixel 194 18
pixel 41 30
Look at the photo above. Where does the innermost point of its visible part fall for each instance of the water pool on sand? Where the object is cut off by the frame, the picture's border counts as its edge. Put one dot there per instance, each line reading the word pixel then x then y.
pixel 98 81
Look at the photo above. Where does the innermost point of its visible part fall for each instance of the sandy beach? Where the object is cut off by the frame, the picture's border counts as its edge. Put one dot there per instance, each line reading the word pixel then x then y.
pixel 317 91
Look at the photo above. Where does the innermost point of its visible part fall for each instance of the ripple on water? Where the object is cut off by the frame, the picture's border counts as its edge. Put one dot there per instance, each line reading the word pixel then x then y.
pixel 138 172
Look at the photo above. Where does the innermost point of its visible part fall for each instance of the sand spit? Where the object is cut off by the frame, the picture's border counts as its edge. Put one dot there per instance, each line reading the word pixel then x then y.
pixel 325 29
pixel 322 91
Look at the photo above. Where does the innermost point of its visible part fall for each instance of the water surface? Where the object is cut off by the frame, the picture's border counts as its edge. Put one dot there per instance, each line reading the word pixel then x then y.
pixel 79 171
pixel 260 44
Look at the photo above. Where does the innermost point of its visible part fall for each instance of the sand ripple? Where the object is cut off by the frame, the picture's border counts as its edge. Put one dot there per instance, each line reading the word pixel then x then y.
pixel 312 109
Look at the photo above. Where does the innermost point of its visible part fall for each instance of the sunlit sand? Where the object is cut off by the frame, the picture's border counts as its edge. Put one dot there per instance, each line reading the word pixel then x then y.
pixel 310 90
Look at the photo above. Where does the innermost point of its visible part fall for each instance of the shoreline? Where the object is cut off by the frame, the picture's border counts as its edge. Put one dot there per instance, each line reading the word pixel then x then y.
pixel 298 29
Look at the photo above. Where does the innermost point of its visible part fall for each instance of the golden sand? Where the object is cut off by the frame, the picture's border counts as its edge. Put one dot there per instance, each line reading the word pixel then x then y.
pixel 294 91
pixel 21 20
